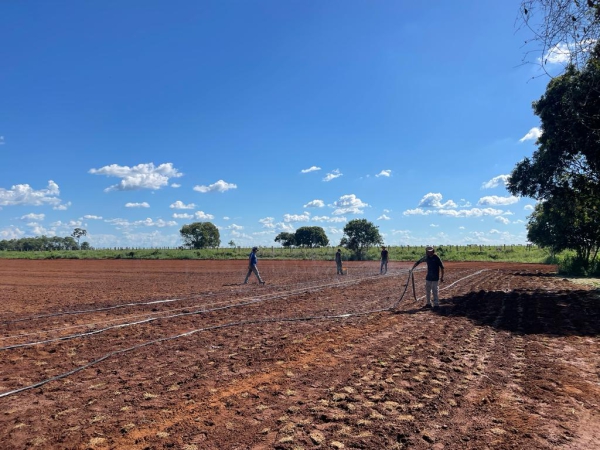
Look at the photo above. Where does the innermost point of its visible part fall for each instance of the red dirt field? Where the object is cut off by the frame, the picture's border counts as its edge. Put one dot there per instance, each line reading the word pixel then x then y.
pixel 181 355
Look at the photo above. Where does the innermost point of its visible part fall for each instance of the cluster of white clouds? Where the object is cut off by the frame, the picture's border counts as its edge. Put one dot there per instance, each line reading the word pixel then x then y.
pixel 23 194
pixel 336 173
pixel 149 176
pixel 219 186
pixel 432 204
pixel 142 176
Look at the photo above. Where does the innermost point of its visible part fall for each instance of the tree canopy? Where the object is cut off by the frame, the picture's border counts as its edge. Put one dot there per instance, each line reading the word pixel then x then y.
pixel 78 233
pixel 564 171
pixel 568 220
pixel 360 234
pixel 286 239
pixel 40 243
pixel 200 235
pixel 311 237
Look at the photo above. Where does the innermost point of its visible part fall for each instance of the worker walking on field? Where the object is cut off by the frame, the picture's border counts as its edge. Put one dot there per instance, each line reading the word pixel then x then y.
pixel 252 260
pixel 384 261
pixel 338 262
pixel 434 265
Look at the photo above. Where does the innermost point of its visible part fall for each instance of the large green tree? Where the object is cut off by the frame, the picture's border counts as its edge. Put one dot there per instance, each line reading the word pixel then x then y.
pixel 286 239
pixel 564 171
pixel 311 237
pixel 200 235
pixel 359 235
pixel 78 233
pixel 568 220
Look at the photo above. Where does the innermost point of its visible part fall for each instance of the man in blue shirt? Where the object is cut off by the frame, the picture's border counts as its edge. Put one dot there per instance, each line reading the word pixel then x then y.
pixel 252 266
pixel 434 264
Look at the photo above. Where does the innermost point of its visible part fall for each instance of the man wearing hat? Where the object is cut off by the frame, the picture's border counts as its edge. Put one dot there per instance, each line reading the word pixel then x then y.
pixel 252 266
pixel 434 264
pixel 384 261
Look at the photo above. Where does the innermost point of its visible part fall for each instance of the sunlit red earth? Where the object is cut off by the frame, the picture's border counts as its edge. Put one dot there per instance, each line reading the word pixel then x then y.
pixel 129 354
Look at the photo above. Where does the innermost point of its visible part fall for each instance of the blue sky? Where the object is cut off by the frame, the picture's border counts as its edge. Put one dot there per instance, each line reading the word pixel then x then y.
pixel 131 119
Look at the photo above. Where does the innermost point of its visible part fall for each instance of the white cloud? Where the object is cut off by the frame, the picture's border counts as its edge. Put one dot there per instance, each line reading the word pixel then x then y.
pixel 32 216
pixel 219 186
pixel 502 220
pixel 175 185
pixel 559 54
pixel 203 215
pixel 495 182
pixel 235 227
pixel 263 233
pixel 137 205
pixel 329 219
pixel 292 218
pixel 182 216
pixel 1 140
pixel 417 212
pixel 310 169
pixel 384 173
pixel 180 205
pixel 23 194
pixel 334 230
pixel 62 207
pixel 333 175
pixel 528 207
pixel 90 217
pixel 268 222
pixel 124 223
pixel 383 217
pixel 282 226
pixel 474 212
pixel 432 200
pixel 11 233
pixel 225 218
pixel 349 204
pixel 532 134
pixel 495 200
pixel 142 176
pixel 315 204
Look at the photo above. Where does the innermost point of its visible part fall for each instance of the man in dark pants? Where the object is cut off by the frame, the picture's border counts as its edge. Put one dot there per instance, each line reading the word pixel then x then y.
pixel 338 262
pixel 384 261
pixel 432 280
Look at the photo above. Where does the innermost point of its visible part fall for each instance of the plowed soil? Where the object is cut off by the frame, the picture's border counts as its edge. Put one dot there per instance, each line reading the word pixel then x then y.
pixel 182 355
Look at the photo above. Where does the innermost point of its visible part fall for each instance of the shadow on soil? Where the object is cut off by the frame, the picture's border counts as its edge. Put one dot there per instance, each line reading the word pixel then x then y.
pixel 562 313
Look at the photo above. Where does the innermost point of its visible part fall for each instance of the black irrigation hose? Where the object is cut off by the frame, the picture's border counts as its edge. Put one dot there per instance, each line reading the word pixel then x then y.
pixel 188 333
pixel 135 304
pixel 266 297
pixel 215 327
pixel 410 277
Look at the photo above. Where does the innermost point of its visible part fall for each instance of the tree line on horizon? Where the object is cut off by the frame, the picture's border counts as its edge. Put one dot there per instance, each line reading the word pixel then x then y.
pixel 359 236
